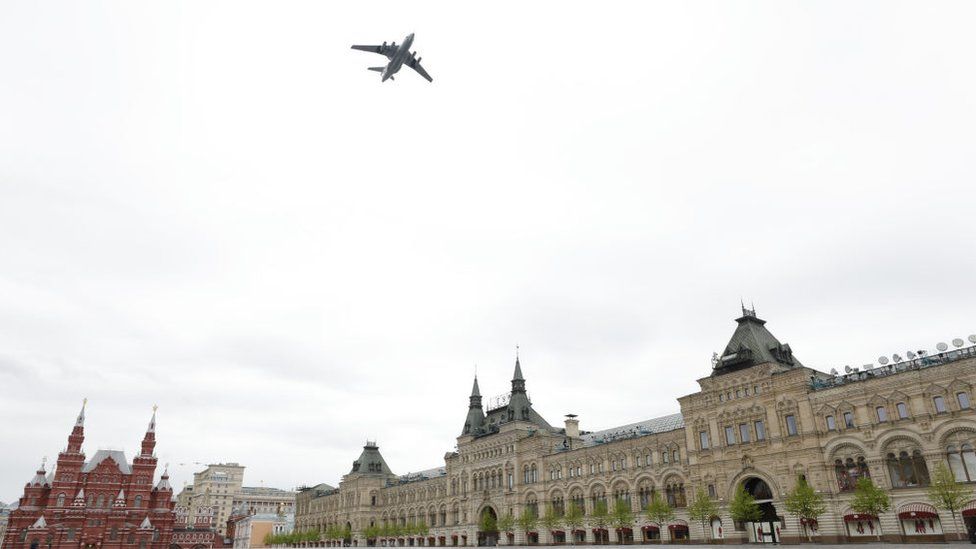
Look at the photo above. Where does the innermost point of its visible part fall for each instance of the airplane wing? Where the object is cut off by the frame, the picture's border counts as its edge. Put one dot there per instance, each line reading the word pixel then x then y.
pixel 386 50
pixel 414 64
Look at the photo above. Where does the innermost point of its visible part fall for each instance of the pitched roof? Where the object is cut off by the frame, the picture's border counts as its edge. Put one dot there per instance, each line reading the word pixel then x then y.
pixel 116 455
pixel 753 344
pixel 651 426
pixel 371 461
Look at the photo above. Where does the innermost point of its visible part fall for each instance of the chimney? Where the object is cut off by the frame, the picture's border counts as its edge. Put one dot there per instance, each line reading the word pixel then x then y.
pixel 572 426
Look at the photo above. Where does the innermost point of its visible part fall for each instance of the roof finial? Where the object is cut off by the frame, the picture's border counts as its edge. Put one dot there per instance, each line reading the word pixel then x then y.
pixel 152 422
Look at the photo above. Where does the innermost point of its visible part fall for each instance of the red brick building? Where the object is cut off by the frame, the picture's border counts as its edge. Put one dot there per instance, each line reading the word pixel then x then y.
pixel 102 503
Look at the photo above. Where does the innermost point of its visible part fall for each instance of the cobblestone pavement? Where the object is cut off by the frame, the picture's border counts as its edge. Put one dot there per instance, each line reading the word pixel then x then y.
pixel 956 544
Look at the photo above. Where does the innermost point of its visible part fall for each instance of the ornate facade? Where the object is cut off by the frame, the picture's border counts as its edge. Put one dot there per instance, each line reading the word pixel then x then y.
pixel 105 502
pixel 761 420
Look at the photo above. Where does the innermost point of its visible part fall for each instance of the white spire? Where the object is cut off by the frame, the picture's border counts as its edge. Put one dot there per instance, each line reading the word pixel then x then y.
pixel 146 525
pixel 152 422
pixel 80 422
pixel 79 499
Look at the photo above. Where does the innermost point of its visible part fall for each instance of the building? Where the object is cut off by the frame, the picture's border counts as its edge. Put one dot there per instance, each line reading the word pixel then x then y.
pixel 106 501
pixel 219 489
pixel 4 516
pixel 252 530
pixel 761 420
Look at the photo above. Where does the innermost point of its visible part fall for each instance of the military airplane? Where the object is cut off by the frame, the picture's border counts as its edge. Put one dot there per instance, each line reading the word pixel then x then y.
pixel 398 56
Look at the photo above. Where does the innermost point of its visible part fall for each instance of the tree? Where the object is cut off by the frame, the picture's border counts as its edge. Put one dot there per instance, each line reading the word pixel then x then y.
pixel 659 511
pixel 702 510
pixel 488 523
pixel 550 519
pixel 946 493
pixel 805 503
pixel 870 500
pixel 506 523
pixel 622 517
pixel 527 520
pixel 573 519
pixel 600 517
pixel 743 506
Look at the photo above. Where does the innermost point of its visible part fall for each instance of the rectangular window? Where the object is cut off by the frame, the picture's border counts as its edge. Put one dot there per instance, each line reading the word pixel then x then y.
pixel 511 481
pixel 791 425
pixel 940 407
pixel 744 433
pixel 831 424
pixel 760 430
pixel 711 491
pixel 848 419
pixel 638 461
pixel 648 460
pixel 729 435
pixel 703 439
pixel 882 413
pixel 963 399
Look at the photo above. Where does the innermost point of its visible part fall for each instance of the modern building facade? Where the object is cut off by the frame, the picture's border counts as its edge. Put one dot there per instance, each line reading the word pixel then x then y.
pixel 761 420
pixel 106 501
pixel 219 490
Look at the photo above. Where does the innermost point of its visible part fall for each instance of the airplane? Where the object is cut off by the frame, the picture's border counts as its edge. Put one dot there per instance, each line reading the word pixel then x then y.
pixel 398 56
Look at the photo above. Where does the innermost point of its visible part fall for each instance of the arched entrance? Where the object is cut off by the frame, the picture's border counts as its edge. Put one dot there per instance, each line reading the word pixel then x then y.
pixel 488 527
pixel 347 540
pixel 766 529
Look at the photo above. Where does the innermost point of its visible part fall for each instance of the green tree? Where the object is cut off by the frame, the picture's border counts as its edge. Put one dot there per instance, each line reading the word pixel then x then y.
pixel 550 519
pixel 946 493
pixel 702 510
pixel 870 500
pixel 659 510
pixel 527 520
pixel 573 519
pixel 743 507
pixel 600 517
pixel 488 523
pixel 621 517
pixel 804 502
pixel 506 523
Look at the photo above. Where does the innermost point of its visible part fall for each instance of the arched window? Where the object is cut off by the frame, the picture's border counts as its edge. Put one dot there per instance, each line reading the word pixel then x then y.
pixel 907 470
pixel 902 410
pixel 535 473
pixel 60 500
pixel 675 493
pixel 100 501
pixel 962 461
pixel 848 471
pixel 645 492
pixel 138 502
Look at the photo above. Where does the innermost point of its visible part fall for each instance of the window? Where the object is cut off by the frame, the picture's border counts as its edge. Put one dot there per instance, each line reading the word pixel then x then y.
pixel 831 424
pixel 882 414
pixel 138 501
pixel 902 410
pixel 963 399
pixel 738 393
pixel 675 458
pixel 907 470
pixel 962 462
pixel 729 435
pixel 940 407
pixel 849 470
pixel 664 457
pixel 849 419
pixel 638 459
pixel 760 431
pixel 744 432
pixel 60 500
pixel 511 481
pixel 702 440
pixel 711 491
pixel 755 389
pixel 721 397
pixel 791 425
pixel 649 459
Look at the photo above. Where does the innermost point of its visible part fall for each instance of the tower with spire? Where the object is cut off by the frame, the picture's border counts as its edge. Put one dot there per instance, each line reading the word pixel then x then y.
pixel 476 414
pixel 96 502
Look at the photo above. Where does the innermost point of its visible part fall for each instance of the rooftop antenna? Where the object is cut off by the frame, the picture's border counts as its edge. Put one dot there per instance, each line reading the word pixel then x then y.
pixel 910 355
pixel 896 358
pixel 847 369
pixel 972 338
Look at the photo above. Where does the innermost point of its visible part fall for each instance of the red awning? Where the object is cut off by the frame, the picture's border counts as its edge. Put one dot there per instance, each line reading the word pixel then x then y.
pixel 970 509
pixel 578 531
pixel 917 511
pixel 677 527
pixel 855 517
pixel 554 532
pixel 624 530
pixel 650 528
pixel 598 530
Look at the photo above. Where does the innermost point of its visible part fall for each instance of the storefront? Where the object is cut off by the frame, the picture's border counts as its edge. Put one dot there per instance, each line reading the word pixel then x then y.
pixel 920 522
pixel 650 532
pixel 861 527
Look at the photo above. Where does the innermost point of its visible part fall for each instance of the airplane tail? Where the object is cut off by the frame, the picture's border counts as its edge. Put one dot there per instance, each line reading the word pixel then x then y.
pixel 377 69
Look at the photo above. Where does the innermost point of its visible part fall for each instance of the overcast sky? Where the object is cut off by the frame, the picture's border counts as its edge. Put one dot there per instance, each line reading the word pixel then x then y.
pixel 215 207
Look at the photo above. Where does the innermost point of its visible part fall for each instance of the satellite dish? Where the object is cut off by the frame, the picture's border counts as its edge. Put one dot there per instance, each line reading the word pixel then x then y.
pixel 896 358
pixel 910 355
pixel 972 338
pixel 941 346
pixel 833 371
pixel 847 369
pixel 882 360
pixel 957 342
pixel 856 369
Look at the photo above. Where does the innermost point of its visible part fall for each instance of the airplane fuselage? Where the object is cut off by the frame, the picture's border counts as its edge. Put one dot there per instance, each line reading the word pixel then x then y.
pixel 398 58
